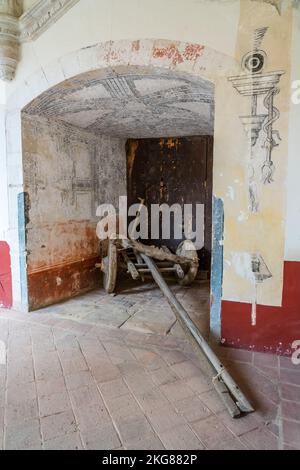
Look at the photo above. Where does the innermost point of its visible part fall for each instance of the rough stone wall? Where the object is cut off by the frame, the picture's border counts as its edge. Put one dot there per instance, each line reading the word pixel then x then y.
pixel 67 173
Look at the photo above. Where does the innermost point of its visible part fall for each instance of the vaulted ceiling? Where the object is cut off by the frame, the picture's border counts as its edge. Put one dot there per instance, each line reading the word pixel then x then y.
pixel 131 105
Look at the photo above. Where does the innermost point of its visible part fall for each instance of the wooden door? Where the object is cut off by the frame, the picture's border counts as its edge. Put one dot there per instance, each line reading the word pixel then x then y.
pixel 172 171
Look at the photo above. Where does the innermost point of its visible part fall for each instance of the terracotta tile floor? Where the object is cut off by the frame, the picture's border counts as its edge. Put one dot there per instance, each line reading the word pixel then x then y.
pixel 137 307
pixel 71 382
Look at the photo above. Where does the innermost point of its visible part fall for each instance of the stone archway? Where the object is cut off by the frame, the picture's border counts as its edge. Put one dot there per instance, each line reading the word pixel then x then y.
pixel 193 62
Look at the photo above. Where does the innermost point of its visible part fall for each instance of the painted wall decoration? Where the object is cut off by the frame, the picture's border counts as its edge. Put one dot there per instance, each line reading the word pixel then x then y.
pixel 88 186
pixel 68 172
pixel 261 88
pixel 276 327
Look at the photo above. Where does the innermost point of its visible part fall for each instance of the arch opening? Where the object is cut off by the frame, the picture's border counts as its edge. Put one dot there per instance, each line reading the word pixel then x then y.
pixel 77 149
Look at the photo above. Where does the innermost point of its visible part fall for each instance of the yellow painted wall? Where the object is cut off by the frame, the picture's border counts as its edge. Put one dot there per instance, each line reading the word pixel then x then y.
pixel 247 232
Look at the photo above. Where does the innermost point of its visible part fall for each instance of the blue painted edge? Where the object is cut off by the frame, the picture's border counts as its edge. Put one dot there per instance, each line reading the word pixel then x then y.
pixel 217 269
pixel 22 250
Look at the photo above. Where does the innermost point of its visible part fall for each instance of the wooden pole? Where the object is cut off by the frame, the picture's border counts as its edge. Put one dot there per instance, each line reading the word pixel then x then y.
pixel 222 374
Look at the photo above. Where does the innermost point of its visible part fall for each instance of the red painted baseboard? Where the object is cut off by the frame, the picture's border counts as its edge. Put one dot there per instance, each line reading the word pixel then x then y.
pixel 6 298
pixel 277 327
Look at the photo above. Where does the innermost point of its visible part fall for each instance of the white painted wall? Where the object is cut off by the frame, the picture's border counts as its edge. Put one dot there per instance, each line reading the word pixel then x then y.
pixel 212 23
pixel 2 92
pixel 292 248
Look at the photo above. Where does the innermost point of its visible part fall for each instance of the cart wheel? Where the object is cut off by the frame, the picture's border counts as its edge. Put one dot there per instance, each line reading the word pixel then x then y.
pixel 186 274
pixel 110 268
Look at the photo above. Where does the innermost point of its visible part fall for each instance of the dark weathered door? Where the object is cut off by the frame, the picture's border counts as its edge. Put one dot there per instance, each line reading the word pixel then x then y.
pixel 177 170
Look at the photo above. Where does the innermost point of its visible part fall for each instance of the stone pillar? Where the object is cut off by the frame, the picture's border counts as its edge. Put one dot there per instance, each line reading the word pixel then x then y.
pixel 10 11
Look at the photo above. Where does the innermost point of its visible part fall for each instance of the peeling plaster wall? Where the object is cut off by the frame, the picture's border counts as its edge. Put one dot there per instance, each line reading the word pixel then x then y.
pixel 68 172
pixel 254 232
pixel 292 246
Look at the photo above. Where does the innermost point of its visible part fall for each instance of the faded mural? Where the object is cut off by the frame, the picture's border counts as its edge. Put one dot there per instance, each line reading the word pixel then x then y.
pixel 132 105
